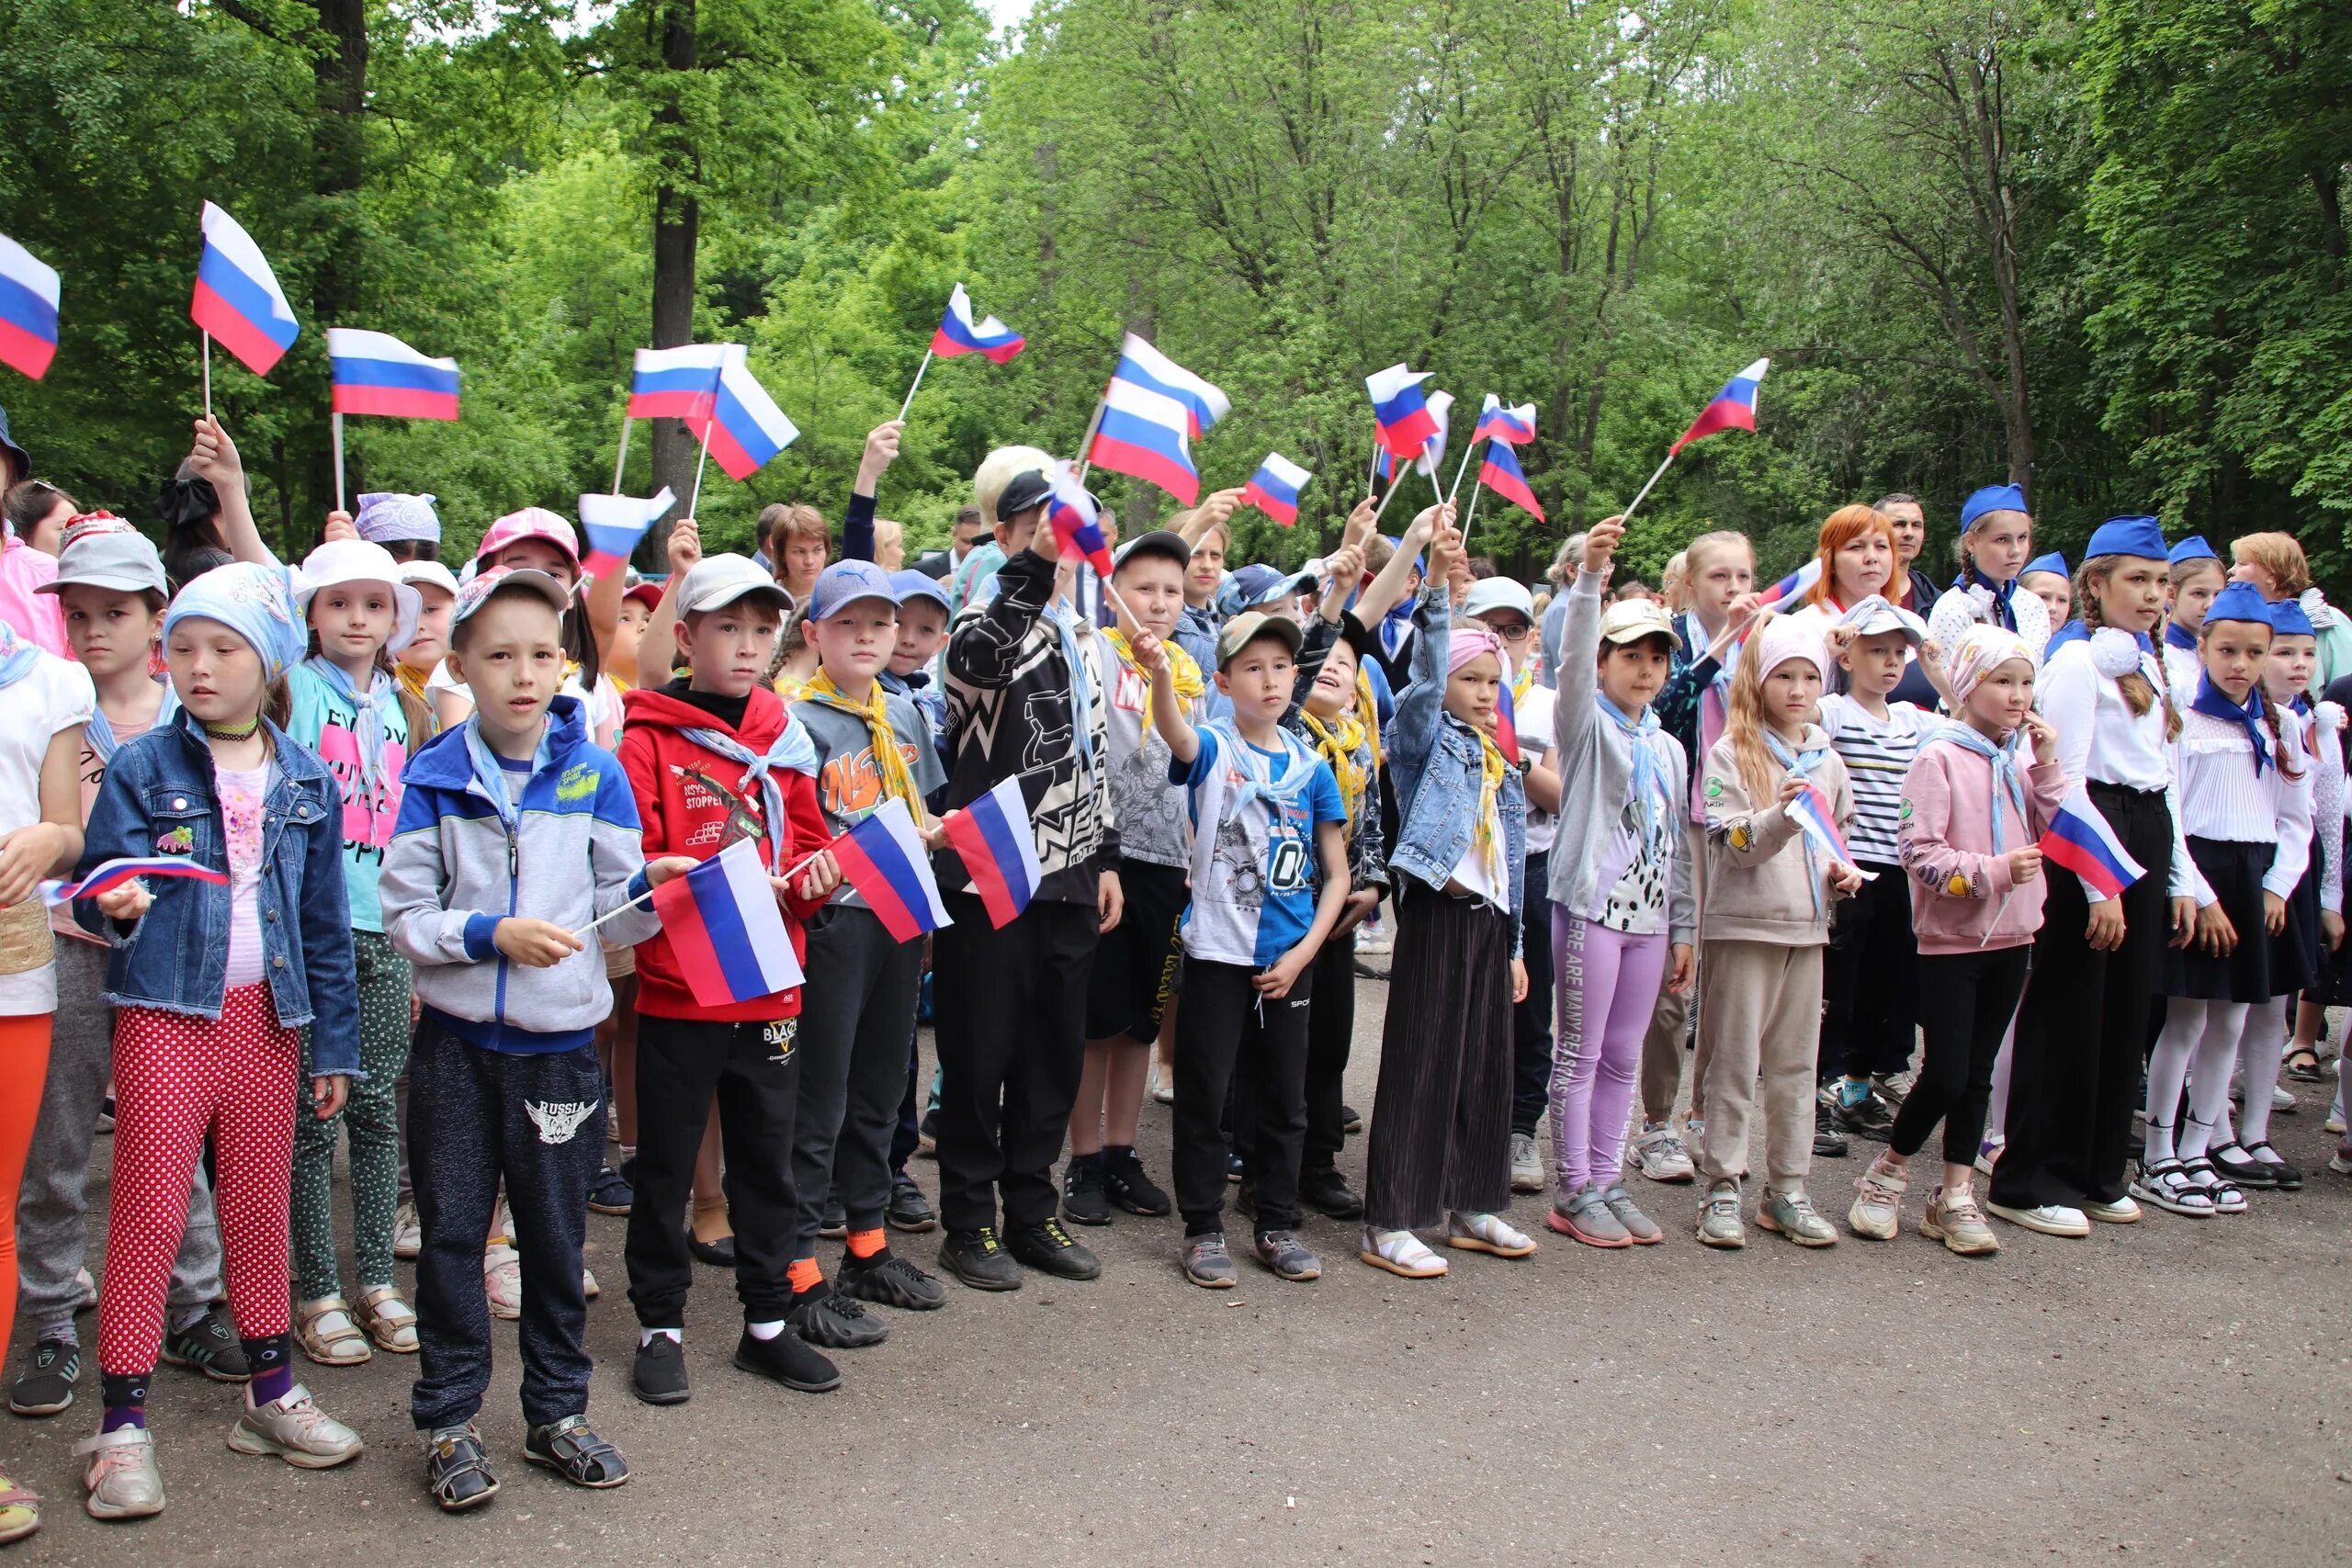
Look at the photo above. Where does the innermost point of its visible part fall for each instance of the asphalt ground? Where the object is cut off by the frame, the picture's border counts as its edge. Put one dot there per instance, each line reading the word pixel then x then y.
pixel 2177 1392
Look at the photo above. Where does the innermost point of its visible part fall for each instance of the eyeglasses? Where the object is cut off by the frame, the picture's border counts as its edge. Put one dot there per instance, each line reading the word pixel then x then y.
pixel 1517 631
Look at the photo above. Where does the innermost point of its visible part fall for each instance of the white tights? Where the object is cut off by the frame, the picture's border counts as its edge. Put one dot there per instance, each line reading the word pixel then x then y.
pixel 2198 1043
pixel 2261 1048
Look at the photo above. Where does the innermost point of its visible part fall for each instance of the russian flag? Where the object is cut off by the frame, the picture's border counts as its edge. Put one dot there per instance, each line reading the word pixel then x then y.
pixel 1399 411
pixel 28 310
pixel 377 373
pixel 1496 423
pixel 1794 586
pixel 1814 816
pixel 1500 472
pixel 107 875
pixel 1733 408
pixel 1440 407
pixel 724 930
pixel 884 859
pixel 1507 722
pixel 1274 489
pixel 610 526
pixel 999 849
pixel 956 333
pixel 237 298
pixel 677 383
pixel 1151 411
pixel 746 428
pixel 1077 522
pixel 2079 839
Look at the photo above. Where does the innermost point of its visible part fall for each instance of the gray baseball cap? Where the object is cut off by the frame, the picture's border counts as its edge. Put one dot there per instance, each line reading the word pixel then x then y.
pixel 101 550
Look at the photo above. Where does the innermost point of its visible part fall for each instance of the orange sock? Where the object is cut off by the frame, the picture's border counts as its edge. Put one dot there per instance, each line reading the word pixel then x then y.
pixel 865 1244
pixel 804 1274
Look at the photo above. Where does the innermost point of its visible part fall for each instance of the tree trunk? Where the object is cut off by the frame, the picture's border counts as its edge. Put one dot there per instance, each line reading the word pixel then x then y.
pixel 677 216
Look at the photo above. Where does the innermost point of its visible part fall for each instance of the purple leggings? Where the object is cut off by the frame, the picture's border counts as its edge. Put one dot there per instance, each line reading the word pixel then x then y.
pixel 1607 983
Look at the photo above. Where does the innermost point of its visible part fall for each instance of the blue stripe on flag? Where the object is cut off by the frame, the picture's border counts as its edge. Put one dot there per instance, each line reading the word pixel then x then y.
pixel 999 833
pixel 890 857
pixel 350 372
pixel 715 901
pixel 21 307
pixel 244 295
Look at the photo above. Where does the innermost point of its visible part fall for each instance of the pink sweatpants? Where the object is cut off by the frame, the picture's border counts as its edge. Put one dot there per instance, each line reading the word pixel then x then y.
pixel 178 1078
pixel 1607 985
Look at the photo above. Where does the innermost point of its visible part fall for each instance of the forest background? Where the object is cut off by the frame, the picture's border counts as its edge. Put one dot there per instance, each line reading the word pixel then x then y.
pixel 2098 251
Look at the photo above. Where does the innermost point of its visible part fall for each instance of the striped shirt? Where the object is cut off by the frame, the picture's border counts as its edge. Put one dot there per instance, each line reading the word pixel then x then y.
pixel 1877 754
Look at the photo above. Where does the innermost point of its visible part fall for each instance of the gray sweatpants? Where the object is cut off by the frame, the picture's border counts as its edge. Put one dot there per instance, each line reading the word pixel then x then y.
pixel 53 1229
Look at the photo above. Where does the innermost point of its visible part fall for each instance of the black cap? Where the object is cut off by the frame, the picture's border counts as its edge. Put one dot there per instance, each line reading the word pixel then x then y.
pixel 1026 490
pixel 1160 542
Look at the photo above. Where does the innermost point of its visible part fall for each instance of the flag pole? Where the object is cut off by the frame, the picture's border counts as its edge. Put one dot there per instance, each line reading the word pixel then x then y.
pixel 1463 469
pixel 208 371
pixel 694 500
pixel 621 461
pixel 1394 487
pixel 335 424
pixel 910 390
pixel 1472 512
pixel 1642 493
pixel 610 914
pixel 1086 442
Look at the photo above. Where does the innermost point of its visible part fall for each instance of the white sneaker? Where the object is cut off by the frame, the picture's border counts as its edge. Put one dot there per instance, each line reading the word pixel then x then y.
pixel 2048 1219
pixel 1401 1253
pixel 2280 1100
pixel 123 1480
pixel 2122 1211
pixel 502 1281
pixel 407 1234
pixel 588 1286
pixel 1526 1163
pixel 295 1430
pixel 1660 1155
pixel 1485 1233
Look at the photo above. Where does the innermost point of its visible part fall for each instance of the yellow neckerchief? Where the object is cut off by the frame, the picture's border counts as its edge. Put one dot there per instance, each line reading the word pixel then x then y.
pixel 1183 669
pixel 1338 743
pixel 1488 832
pixel 1523 681
pixel 896 777
pixel 413 683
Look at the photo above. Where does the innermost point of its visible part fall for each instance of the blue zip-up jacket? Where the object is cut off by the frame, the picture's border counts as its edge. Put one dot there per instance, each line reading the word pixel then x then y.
pixel 157 800
pixel 464 855
pixel 1438 763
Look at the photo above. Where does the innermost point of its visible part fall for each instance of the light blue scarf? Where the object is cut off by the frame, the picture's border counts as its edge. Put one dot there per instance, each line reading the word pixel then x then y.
pixel 1257 780
pixel 1801 763
pixel 372 710
pixel 100 733
pixel 2009 778
pixel 1653 796
pixel 792 750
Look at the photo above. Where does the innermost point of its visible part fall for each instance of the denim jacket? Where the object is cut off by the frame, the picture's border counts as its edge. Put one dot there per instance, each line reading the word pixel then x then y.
pixel 158 798
pixel 1437 763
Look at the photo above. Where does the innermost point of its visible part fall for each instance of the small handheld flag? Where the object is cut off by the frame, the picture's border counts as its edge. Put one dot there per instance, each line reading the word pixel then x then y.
pixel 1794 586
pixel 1813 815
pixel 237 299
pixel 1152 411
pixel 1441 410
pixel 884 859
pixel 377 373
pixel 999 849
pixel 1513 425
pixel 1399 411
pixel 1274 489
pixel 746 428
pixel 958 334
pixel 1500 472
pixel 724 930
pixel 677 383
pixel 610 526
pixel 1733 408
pixel 1507 725
pixel 2079 839
pixel 107 875
pixel 1077 521
pixel 28 310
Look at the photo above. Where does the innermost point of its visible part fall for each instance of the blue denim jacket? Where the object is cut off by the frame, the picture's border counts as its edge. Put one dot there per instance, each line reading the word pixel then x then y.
pixel 157 798
pixel 1437 763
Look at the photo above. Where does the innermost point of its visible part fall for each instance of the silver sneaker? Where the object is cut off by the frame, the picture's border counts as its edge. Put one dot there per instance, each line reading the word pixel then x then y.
pixel 1640 1226
pixel 1794 1215
pixel 1584 1216
pixel 1878 1201
pixel 1526 1163
pixel 1661 1156
pixel 1719 1223
pixel 124 1480
pixel 296 1431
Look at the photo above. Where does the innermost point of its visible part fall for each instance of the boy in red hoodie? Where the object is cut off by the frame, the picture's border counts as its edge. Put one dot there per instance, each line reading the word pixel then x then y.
pixel 713 756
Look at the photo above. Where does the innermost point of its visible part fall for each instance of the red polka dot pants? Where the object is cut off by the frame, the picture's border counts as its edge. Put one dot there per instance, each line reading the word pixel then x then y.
pixel 178 1078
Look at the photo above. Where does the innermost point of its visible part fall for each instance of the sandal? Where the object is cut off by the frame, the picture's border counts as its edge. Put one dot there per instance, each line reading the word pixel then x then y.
pixel 19 1512
pixel 2227 1199
pixel 388 1319
pixel 457 1472
pixel 328 1334
pixel 2302 1065
pixel 572 1450
pixel 2166 1185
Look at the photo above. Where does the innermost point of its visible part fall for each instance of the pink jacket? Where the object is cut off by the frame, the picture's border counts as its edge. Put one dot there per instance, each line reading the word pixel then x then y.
pixel 1961 897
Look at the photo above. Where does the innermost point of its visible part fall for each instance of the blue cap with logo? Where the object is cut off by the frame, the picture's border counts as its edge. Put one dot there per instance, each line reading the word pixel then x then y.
pixel 843 583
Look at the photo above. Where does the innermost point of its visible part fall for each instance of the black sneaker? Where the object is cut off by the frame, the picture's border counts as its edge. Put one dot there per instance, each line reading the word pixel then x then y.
pixel 889 1280
pixel 572 1450
pixel 1286 1257
pixel 660 1376
pixel 1048 1248
pixel 47 1386
pixel 788 1361
pixel 1125 1184
pixel 1351 1120
pixel 909 1210
pixel 1828 1142
pixel 610 1193
pixel 457 1470
pixel 978 1259
pixel 1084 1201
pixel 1865 1118
pixel 209 1345
pixel 1328 1193
pixel 835 1223
pixel 836 1322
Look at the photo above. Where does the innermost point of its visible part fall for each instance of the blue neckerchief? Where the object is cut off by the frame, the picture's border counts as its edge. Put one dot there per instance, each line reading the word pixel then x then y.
pixel 1394 625
pixel 2179 637
pixel 1800 762
pixel 2214 703
pixel 2074 631
pixel 1081 692
pixel 371 710
pixel 17 655
pixel 2004 615
pixel 1258 783
pixel 792 748
pixel 2009 778
pixel 1652 795
pixel 489 771
pixel 99 733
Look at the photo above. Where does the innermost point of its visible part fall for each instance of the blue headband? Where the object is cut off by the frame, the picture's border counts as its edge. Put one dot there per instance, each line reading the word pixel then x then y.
pixel 2239 601
pixel 384 516
pixel 253 601
pixel 2288 618
pixel 2142 537
pixel 2053 563
pixel 2193 547
pixel 1992 498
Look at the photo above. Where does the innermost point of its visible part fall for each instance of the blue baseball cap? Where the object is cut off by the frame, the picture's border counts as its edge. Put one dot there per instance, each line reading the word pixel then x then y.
pixel 2193 547
pixel 2239 601
pixel 2143 538
pixel 844 582
pixel 1992 498
pixel 2053 563
pixel 1257 584
pixel 912 584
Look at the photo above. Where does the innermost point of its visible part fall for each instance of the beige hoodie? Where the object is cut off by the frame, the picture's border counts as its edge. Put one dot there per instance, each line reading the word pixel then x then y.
pixel 1758 882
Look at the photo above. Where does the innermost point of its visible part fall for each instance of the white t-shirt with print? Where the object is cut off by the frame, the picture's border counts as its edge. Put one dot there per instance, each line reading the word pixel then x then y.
pixel 56 695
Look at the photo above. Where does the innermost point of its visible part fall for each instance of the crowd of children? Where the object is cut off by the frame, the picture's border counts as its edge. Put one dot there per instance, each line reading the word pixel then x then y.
pixel 1595 830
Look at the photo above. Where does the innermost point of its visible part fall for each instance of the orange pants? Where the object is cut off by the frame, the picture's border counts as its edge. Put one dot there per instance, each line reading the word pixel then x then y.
pixel 24 1070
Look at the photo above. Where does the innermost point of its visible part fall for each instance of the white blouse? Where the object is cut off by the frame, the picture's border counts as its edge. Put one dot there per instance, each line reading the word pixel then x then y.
pixel 2222 797
pixel 2101 741
pixel 1957 609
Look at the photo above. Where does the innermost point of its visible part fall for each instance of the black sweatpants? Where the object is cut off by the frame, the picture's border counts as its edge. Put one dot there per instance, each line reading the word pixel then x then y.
pixel 1330 1036
pixel 1010 1012
pixel 2083 1028
pixel 1230 1041
pixel 754 1070
pixel 1530 1020
pixel 857 1009
pixel 537 1121
pixel 1869 979
pixel 1966 1000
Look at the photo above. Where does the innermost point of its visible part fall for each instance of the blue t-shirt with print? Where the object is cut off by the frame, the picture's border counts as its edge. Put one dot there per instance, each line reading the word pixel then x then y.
pixel 1254 868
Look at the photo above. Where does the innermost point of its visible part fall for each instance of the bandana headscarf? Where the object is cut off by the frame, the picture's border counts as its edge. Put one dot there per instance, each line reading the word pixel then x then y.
pixel 1784 639
pixel 387 515
pixel 898 779
pixel 1468 643
pixel 1981 650
pixel 253 601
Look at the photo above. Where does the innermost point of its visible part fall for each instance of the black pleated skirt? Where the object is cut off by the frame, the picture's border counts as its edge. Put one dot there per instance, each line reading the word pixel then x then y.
pixel 2244 973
